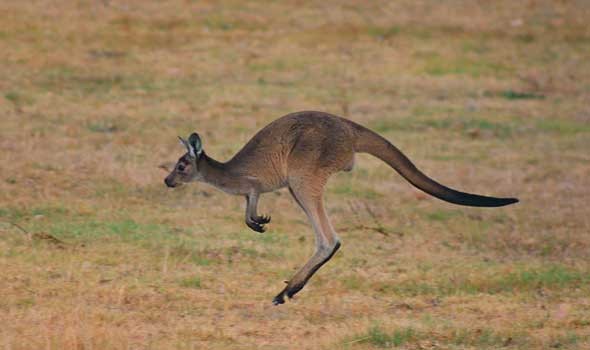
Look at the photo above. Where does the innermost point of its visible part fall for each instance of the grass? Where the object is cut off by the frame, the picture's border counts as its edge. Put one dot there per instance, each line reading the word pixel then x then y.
pixel 515 95
pixel 347 189
pixel 492 280
pixel 442 215
pixel 485 338
pixel 563 126
pixel 191 282
pixel 383 33
pixel 96 252
pixel 377 337
pixel 468 126
pixel 463 66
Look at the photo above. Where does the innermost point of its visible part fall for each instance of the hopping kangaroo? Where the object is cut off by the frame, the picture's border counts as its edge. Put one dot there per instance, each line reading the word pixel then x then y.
pixel 300 151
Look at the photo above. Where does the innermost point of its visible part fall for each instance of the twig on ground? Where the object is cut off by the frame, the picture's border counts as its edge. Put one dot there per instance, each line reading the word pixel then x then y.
pixel 355 208
pixel 39 235
pixel 49 238
pixel 29 237
pixel 357 340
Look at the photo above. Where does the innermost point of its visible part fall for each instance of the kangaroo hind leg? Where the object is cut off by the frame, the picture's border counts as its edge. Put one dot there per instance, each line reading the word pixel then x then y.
pixel 309 197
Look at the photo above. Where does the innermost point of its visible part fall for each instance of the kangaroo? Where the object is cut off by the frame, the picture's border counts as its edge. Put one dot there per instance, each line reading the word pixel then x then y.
pixel 301 151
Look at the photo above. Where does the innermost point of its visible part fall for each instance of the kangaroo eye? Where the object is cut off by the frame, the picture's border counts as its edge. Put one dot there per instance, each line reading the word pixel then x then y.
pixel 180 167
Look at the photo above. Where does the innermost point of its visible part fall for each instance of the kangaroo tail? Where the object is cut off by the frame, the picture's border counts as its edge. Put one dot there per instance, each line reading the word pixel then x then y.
pixel 374 144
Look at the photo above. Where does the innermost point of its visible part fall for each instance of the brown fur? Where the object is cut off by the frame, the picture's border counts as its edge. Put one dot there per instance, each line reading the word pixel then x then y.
pixel 301 151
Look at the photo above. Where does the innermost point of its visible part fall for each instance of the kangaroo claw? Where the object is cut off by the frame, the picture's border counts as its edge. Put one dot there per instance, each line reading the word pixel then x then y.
pixel 255 226
pixel 279 299
pixel 264 219
pixel 257 223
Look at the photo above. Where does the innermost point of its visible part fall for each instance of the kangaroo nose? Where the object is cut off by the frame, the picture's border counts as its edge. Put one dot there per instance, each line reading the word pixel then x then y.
pixel 169 183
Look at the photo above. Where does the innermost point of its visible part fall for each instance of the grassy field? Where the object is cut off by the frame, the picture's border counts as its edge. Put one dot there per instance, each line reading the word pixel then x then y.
pixel 486 97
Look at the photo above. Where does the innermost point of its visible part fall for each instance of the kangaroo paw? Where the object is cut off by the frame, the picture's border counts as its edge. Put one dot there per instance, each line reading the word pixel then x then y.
pixel 255 226
pixel 288 291
pixel 280 298
pixel 262 219
pixel 257 223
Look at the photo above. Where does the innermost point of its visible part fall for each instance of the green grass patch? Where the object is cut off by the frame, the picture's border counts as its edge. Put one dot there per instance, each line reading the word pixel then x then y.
pixel 515 95
pixel 221 23
pixel 191 282
pixel 549 277
pixel 567 340
pixel 383 33
pixel 201 261
pixel 376 336
pixel 354 282
pixel 77 229
pixel 565 127
pixel 478 127
pixel 104 126
pixel 18 98
pixel 492 281
pixel 218 23
pixel 191 250
pixel 64 79
pixel 498 129
pixel 442 215
pixel 393 124
pixel 274 66
pixel 475 46
pixel 526 38
pixel 354 190
pixel 270 66
pixel 435 65
pixel 241 250
pixel 109 188
pixel 25 303
pixel 485 337
pixel 271 237
pixel 482 338
pixel 18 214
pixel 465 125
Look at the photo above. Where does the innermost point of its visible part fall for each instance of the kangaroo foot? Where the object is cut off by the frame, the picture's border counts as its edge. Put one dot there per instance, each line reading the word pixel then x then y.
pixel 280 298
pixel 264 219
pixel 288 291
pixel 255 226
pixel 257 223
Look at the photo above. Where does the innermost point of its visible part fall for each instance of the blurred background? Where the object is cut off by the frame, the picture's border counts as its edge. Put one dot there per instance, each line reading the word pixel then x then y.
pixel 486 97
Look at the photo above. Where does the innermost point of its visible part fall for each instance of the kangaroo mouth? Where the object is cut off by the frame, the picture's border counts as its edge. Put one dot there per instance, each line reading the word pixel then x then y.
pixel 171 183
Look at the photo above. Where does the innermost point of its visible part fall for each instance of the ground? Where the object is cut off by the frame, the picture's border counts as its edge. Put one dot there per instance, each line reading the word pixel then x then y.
pixel 486 97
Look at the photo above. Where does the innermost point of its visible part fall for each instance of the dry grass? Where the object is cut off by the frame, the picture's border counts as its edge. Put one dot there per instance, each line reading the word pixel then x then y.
pixel 488 97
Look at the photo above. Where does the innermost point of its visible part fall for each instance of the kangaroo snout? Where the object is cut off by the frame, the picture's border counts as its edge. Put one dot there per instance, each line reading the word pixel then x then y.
pixel 169 182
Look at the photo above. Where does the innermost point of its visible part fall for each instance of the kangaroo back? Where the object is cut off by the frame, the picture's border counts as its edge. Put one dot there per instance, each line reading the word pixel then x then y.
pixel 370 142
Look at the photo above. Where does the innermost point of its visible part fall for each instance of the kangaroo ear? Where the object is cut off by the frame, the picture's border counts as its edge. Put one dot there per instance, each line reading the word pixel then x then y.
pixel 195 145
pixel 184 143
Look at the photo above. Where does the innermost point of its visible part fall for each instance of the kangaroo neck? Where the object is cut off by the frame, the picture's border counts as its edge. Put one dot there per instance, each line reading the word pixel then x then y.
pixel 220 175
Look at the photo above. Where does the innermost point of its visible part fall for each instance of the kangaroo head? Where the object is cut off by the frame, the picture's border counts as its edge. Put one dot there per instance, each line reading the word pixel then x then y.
pixel 186 169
